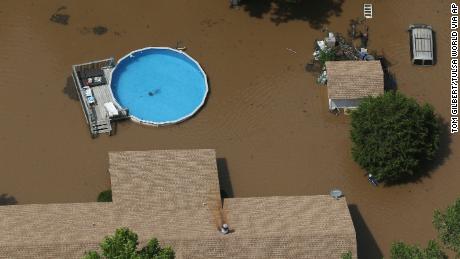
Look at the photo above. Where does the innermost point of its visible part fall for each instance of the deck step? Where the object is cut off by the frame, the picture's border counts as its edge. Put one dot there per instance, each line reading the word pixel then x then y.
pixel 368 11
pixel 99 126
pixel 102 127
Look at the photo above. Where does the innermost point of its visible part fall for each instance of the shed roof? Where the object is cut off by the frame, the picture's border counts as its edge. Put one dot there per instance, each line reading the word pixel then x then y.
pixel 354 79
pixel 174 195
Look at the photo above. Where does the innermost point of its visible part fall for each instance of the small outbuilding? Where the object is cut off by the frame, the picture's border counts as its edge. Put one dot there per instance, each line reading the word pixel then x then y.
pixel 348 82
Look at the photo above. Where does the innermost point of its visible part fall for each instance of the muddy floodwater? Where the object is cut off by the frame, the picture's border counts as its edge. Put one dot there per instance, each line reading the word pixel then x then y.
pixel 265 115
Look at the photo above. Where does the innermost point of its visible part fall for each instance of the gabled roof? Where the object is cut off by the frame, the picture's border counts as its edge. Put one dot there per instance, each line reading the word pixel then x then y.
pixel 174 195
pixel 354 79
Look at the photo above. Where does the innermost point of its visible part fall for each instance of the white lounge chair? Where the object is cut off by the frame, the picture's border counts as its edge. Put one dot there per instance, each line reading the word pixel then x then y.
pixel 111 109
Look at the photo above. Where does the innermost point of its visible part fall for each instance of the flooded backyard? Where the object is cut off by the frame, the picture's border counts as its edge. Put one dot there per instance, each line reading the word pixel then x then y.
pixel 265 116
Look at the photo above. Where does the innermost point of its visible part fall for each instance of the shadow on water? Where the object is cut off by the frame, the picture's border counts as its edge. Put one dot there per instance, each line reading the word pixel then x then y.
pixel 226 190
pixel 367 246
pixel 389 78
pixel 6 199
pixel 315 12
pixel 100 30
pixel 69 89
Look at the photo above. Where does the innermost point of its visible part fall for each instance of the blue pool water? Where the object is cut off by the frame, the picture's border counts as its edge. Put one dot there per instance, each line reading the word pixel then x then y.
pixel 159 85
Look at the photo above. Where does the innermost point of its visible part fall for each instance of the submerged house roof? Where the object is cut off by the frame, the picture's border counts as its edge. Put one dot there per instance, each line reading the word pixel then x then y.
pixel 354 79
pixel 174 195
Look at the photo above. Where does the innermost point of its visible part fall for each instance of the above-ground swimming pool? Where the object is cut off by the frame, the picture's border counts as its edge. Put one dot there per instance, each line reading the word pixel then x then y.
pixel 159 86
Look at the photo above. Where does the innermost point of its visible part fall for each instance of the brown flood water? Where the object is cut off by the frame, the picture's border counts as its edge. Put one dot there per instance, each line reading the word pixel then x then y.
pixel 265 115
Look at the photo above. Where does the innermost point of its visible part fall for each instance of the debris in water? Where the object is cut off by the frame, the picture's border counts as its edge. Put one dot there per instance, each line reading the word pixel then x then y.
pixel 61 8
pixel 291 50
pixel 60 18
pixel 99 30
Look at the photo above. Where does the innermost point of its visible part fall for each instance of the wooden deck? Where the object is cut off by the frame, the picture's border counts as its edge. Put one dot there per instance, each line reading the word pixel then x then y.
pixel 102 94
pixel 96 114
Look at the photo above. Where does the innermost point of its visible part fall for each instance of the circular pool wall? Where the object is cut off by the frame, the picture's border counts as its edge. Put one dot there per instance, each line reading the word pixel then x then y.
pixel 159 86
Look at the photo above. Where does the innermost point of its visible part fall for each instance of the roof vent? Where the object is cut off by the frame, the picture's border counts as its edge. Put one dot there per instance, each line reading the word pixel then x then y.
pixel 336 193
pixel 224 229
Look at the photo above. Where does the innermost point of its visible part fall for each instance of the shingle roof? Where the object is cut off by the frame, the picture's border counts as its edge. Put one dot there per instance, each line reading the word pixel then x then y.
pixel 305 226
pixel 354 79
pixel 174 195
pixel 161 172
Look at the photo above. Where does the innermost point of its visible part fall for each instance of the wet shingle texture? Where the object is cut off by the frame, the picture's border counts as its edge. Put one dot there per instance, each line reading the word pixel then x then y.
pixel 354 79
pixel 174 195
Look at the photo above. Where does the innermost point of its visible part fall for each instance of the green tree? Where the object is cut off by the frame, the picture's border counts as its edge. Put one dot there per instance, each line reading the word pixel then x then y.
pixel 447 224
pixel 392 135
pixel 400 250
pixel 347 255
pixel 105 196
pixel 433 250
pixel 326 54
pixel 123 245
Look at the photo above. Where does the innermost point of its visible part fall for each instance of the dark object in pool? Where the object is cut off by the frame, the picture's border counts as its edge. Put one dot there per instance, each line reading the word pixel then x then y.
pixel 60 18
pixel 154 92
pixel 99 30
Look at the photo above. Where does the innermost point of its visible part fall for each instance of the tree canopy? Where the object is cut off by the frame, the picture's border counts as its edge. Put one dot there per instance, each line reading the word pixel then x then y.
pixel 105 196
pixel 447 223
pixel 347 255
pixel 392 135
pixel 123 245
pixel 400 250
